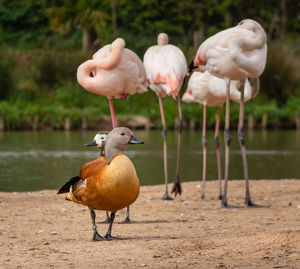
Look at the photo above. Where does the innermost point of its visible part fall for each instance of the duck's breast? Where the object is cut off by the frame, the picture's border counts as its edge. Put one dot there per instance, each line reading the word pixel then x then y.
pixel 118 185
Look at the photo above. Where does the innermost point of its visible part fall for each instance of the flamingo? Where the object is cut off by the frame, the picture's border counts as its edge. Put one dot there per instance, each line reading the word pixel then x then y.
pixel 166 69
pixel 210 90
pixel 235 54
pixel 116 72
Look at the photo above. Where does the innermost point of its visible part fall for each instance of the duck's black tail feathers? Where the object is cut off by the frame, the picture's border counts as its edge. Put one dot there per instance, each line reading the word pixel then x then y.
pixel 66 188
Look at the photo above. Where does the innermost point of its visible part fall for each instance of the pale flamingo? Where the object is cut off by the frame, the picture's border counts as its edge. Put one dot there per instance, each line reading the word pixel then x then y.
pixel 114 71
pixel 166 69
pixel 210 90
pixel 235 54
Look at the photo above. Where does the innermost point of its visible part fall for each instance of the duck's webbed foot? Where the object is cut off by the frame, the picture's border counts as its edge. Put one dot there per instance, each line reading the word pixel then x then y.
pixel 97 237
pixel 127 220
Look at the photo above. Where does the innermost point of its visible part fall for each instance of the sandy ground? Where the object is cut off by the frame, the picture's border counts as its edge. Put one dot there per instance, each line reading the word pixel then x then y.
pixel 42 230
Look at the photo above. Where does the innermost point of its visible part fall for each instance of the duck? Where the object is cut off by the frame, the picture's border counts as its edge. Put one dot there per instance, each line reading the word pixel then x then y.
pixel 99 142
pixel 112 182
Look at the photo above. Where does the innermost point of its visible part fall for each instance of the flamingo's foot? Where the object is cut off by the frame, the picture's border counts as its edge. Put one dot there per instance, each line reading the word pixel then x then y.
pixel 164 197
pixel 176 189
pixel 202 196
pixel 224 204
pixel 250 204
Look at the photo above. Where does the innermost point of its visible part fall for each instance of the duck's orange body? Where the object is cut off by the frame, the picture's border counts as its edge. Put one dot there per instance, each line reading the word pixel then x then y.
pixel 109 187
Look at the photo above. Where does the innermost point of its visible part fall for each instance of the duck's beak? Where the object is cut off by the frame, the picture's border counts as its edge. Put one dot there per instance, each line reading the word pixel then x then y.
pixel 133 140
pixel 91 144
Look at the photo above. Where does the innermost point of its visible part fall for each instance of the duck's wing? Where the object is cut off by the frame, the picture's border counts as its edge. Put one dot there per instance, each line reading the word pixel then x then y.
pixel 89 169
pixel 92 167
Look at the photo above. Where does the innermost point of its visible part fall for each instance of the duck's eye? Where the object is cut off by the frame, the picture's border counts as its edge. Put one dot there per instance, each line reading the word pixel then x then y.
pixel 102 138
pixel 122 133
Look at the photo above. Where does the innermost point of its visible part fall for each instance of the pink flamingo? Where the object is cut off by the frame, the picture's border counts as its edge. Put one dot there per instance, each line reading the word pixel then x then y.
pixel 210 90
pixel 235 54
pixel 166 69
pixel 116 72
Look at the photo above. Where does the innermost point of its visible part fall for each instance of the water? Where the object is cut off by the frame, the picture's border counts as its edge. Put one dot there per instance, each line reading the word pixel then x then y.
pixel 46 160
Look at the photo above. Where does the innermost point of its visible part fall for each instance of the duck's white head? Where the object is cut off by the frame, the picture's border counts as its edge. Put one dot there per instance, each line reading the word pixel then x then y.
pixel 99 140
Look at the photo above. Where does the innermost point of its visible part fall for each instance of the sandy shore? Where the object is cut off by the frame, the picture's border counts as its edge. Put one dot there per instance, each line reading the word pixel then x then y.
pixel 42 230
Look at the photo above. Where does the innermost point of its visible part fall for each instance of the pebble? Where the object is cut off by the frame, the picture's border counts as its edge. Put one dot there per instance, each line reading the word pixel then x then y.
pixel 53 233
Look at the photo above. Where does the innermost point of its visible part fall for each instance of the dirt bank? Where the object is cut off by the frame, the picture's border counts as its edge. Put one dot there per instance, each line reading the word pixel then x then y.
pixel 42 230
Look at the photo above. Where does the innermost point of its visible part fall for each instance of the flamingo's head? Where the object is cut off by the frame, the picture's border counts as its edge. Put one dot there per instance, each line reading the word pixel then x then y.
pixel 162 39
pixel 252 26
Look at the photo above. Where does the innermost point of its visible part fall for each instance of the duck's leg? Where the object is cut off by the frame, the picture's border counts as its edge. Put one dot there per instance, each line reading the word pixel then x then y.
pixel 96 235
pixel 162 114
pixel 204 143
pixel 241 138
pixel 227 139
pixel 107 220
pixel 112 112
pixel 127 220
pixel 217 143
pixel 176 189
pixel 108 234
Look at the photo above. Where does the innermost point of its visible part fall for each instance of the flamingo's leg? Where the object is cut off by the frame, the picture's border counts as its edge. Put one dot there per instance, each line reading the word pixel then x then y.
pixel 112 112
pixel 204 144
pixel 176 189
pixel 227 139
pixel 162 114
pixel 241 138
pixel 217 143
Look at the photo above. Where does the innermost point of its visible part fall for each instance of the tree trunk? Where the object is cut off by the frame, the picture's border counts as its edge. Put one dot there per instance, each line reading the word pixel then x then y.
pixel 114 17
pixel 197 38
pixel 283 18
pixel 89 38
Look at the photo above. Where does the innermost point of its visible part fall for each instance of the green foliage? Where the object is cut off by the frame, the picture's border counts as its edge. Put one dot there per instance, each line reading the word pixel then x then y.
pixel 38 72
pixel 281 76
pixel 6 81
